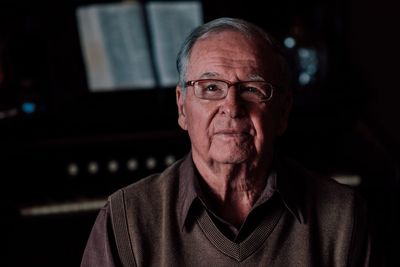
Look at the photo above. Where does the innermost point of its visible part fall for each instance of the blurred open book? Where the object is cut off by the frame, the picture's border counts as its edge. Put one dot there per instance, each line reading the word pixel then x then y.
pixel 133 45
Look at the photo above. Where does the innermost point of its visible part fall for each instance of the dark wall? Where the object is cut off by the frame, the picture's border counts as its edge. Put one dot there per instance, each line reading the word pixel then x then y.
pixel 374 55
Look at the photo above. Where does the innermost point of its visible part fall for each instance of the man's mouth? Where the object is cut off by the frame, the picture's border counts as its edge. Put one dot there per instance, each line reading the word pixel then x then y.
pixel 232 133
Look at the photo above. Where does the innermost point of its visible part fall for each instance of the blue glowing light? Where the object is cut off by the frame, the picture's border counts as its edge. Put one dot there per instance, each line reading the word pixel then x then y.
pixel 289 42
pixel 28 107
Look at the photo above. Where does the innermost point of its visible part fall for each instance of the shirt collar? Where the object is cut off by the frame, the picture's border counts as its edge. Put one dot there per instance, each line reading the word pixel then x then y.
pixel 291 186
pixel 280 181
pixel 188 188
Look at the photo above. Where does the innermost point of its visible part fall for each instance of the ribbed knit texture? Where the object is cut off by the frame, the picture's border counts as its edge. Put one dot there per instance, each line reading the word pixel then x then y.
pixel 238 251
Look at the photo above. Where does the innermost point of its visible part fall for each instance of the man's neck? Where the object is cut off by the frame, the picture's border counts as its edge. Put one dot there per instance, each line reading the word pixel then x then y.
pixel 231 190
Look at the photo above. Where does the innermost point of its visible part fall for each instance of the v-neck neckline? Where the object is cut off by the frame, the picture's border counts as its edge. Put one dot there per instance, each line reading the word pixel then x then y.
pixel 238 251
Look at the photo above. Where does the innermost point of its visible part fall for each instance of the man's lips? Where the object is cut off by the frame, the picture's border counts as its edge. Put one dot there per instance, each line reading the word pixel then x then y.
pixel 232 132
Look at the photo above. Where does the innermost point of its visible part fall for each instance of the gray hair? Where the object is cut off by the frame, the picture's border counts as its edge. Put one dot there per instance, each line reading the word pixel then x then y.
pixel 223 24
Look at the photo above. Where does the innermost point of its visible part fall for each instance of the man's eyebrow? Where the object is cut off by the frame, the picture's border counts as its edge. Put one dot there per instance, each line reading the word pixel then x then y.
pixel 209 75
pixel 256 77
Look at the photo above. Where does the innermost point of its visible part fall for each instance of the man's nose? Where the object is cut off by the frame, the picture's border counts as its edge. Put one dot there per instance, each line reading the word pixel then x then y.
pixel 232 104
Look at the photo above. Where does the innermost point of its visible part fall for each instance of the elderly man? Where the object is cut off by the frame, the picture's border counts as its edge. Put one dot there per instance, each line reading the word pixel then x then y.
pixel 232 201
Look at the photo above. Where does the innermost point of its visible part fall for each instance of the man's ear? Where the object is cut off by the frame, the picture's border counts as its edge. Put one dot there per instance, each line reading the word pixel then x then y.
pixel 180 100
pixel 284 108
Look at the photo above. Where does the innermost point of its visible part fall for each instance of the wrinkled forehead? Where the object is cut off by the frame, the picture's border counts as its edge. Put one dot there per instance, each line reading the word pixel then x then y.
pixel 229 37
pixel 234 47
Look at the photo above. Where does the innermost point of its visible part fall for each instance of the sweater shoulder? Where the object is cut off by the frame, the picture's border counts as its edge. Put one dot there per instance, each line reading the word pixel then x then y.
pixel 151 188
pixel 323 186
pixel 320 194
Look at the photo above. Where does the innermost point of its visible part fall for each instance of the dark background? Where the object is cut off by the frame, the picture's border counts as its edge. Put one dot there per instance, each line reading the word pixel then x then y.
pixel 344 122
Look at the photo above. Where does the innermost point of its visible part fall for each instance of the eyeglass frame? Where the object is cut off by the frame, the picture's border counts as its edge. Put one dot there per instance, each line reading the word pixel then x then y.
pixel 230 84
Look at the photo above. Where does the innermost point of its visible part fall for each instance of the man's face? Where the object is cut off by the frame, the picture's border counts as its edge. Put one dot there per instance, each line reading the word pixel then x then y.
pixel 231 130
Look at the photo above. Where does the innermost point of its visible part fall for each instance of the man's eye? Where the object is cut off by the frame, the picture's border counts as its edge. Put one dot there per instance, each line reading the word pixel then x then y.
pixel 211 88
pixel 252 90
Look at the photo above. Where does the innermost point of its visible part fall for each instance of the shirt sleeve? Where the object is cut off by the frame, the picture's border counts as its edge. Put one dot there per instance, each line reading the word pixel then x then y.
pixel 101 248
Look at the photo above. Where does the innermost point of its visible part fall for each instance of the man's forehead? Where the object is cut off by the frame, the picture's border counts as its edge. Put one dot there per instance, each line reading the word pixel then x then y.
pixel 235 45
pixel 216 53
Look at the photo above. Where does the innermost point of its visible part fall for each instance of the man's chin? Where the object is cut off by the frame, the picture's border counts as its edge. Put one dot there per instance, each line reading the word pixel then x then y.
pixel 236 156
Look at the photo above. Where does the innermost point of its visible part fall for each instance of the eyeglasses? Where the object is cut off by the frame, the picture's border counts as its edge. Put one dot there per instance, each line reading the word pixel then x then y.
pixel 251 91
